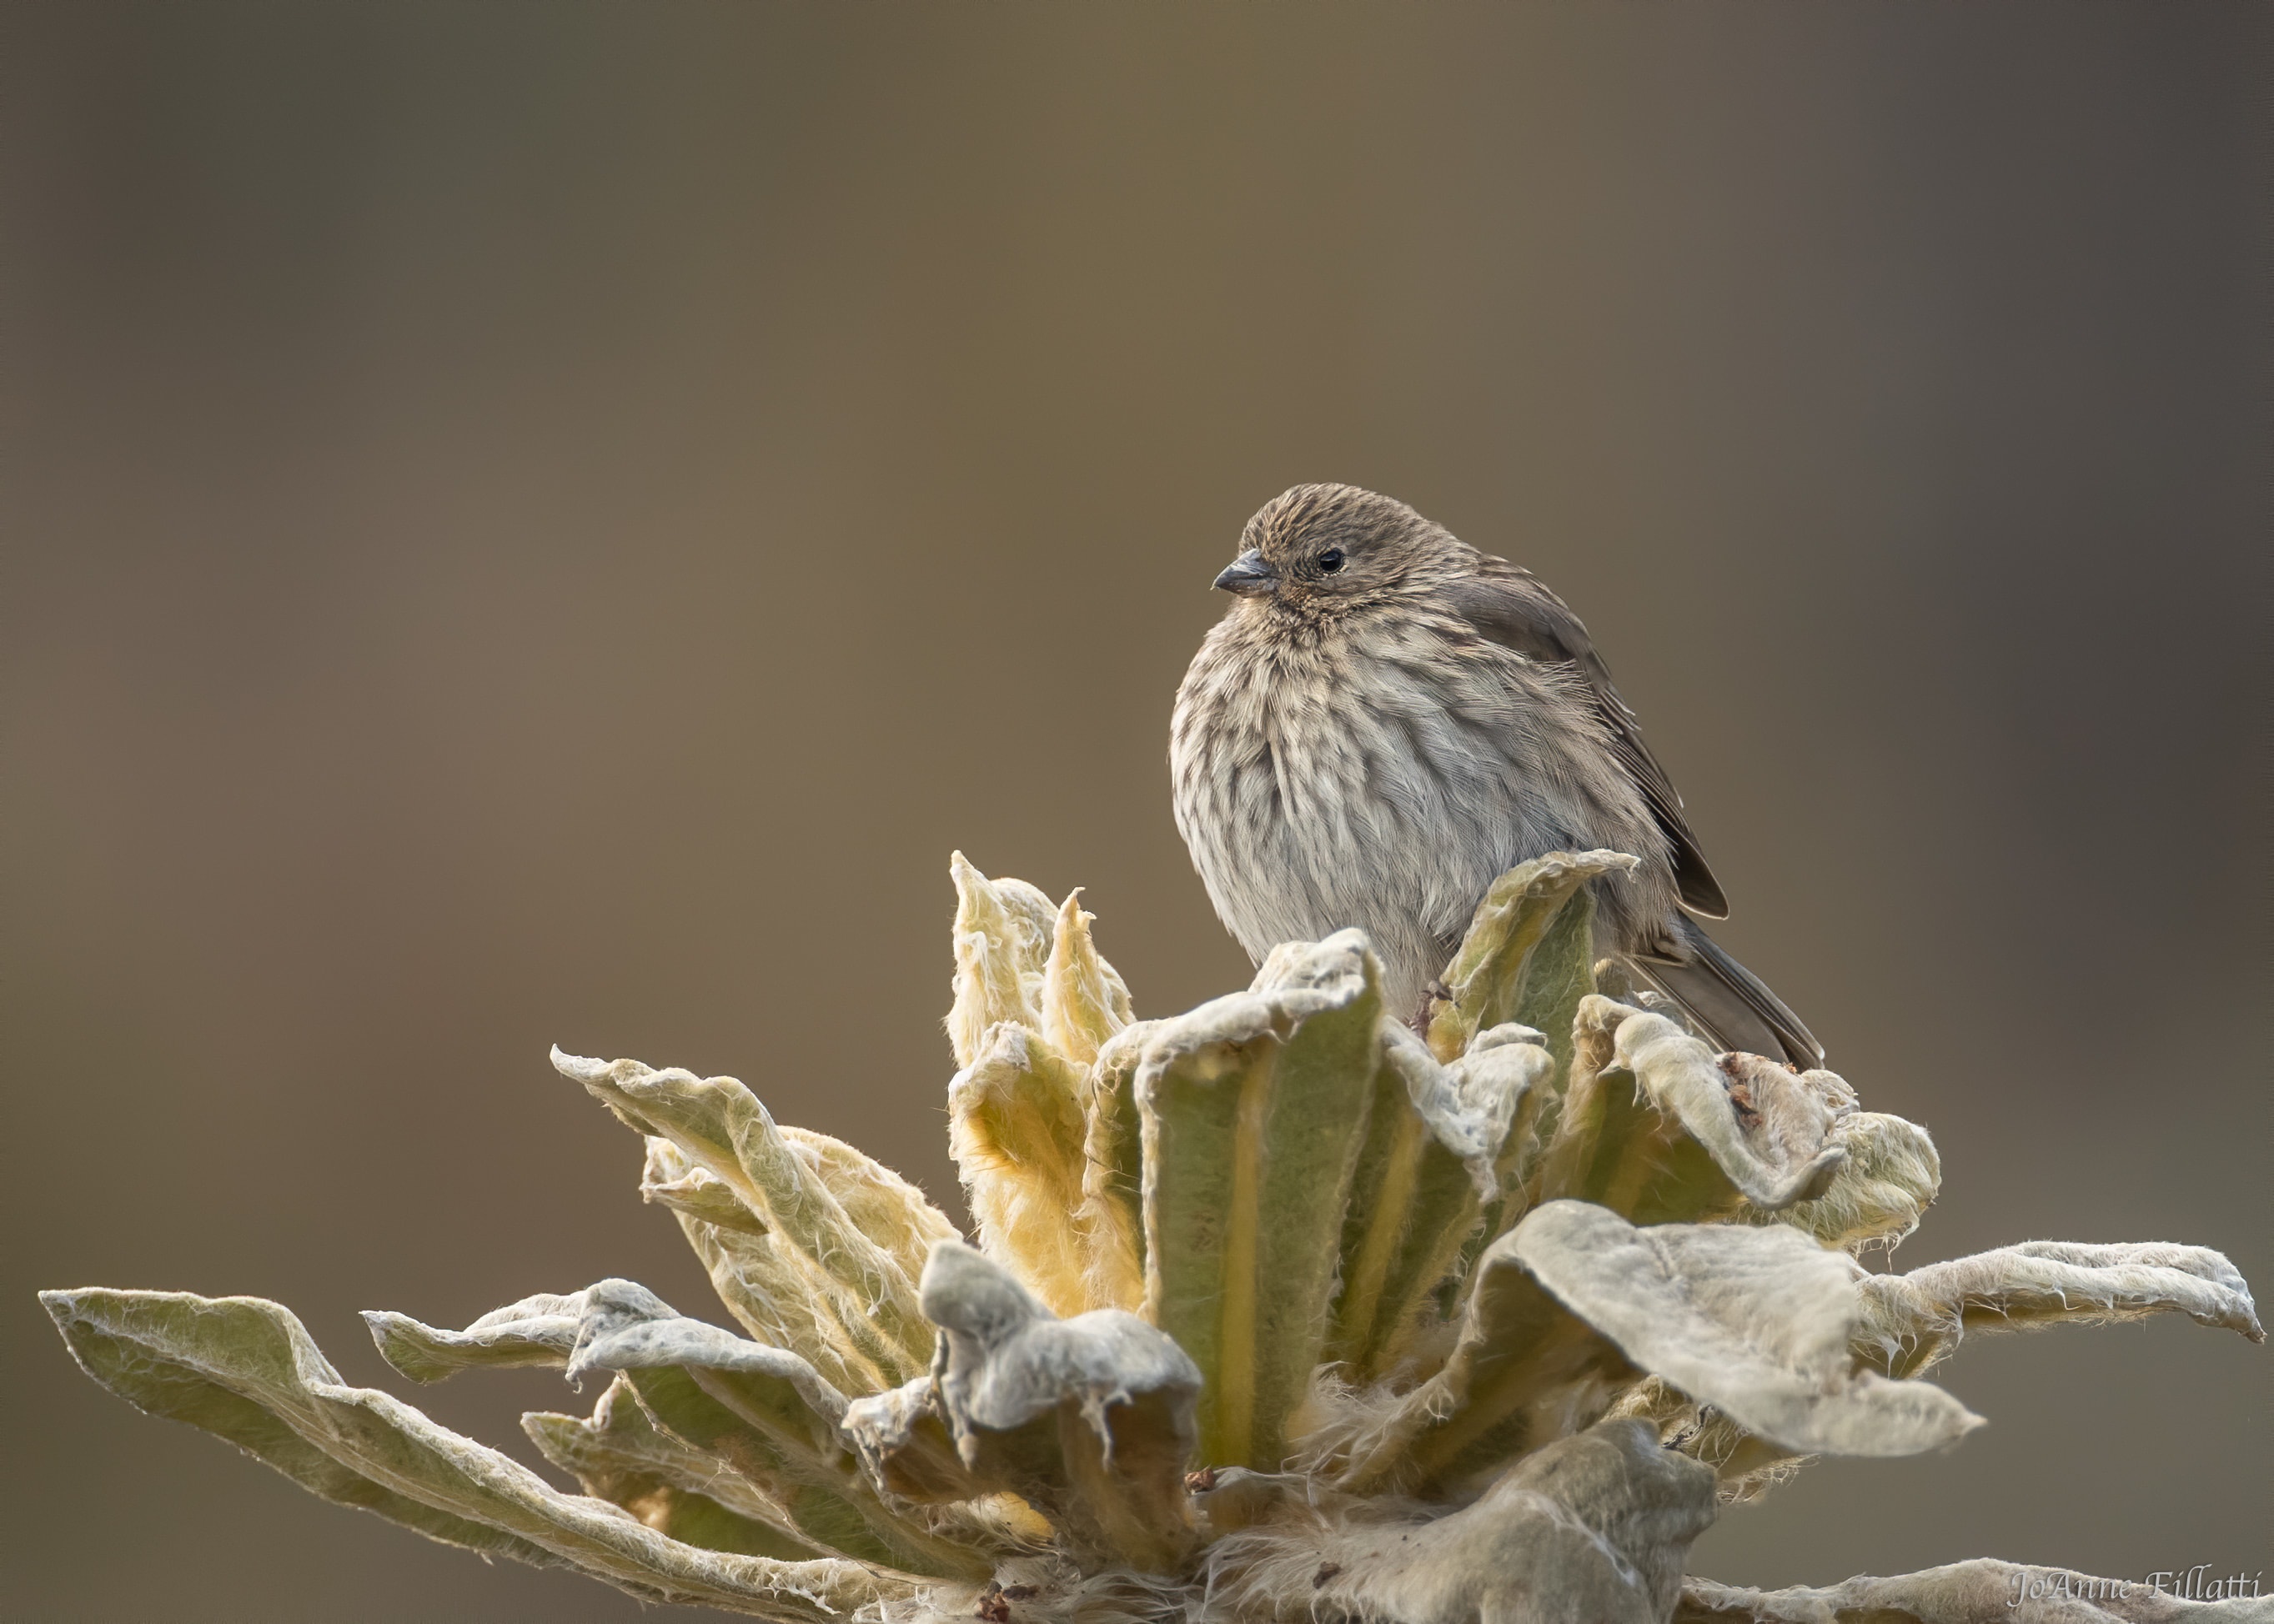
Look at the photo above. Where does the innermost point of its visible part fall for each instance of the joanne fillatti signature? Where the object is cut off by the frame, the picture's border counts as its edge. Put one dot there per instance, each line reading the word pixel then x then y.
pixel 2194 1583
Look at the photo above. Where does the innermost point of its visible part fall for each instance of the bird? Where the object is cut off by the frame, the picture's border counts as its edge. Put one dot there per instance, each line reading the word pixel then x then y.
pixel 1386 720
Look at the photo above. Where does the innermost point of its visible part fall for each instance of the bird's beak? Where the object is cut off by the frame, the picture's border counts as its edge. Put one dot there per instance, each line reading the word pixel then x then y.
pixel 1248 575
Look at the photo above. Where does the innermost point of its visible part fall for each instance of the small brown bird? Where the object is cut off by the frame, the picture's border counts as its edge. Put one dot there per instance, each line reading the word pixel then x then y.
pixel 1387 720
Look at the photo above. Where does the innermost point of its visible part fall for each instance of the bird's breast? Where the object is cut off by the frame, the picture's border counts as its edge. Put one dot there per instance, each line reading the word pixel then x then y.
pixel 1381 784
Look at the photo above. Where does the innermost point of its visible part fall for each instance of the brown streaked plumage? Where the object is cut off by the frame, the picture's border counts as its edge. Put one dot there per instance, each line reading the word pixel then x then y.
pixel 1387 720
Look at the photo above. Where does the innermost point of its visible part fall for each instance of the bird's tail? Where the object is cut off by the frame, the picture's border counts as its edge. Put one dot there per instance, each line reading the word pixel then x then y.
pixel 1728 1002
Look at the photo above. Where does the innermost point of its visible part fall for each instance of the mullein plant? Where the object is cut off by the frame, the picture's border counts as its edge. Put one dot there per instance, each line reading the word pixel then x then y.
pixel 1276 1308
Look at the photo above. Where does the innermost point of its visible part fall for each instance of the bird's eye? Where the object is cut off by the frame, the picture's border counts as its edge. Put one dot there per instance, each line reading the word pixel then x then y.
pixel 1331 559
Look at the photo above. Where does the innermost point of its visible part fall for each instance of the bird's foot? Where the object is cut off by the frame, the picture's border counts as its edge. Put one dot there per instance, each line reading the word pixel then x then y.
pixel 1433 995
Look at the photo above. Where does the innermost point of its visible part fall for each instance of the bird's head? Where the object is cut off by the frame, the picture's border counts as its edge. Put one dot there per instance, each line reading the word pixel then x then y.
pixel 1316 546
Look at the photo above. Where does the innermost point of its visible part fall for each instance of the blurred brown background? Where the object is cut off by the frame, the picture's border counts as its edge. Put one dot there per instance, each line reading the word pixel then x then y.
pixel 545 523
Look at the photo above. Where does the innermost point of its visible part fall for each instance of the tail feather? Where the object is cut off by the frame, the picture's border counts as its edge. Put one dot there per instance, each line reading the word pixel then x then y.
pixel 1728 1004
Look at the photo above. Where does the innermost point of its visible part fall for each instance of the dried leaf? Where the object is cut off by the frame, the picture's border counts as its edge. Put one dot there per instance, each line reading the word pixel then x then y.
pixel 1253 1108
pixel 245 1370
pixel 1914 1322
pixel 1089 1419
pixel 720 1126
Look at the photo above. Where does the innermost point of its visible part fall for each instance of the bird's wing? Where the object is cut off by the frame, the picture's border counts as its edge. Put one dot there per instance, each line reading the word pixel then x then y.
pixel 1506 604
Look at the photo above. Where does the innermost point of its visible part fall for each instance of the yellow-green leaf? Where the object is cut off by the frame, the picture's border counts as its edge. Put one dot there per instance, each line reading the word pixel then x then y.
pixel 1508 968
pixel 1254 1106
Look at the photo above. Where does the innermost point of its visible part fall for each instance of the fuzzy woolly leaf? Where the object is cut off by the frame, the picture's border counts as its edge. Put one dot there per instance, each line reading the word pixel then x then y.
pixel 1907 1323
pixel 670 1180
pixel 1111 1220
pixel 884 1207
pixel 1015 1128
pixel 1914 1322
pixel 246 1370
pixel 720 1126
pixel 1657 1127
pixel 1570 1306
pixel 888 1208
pixel 1034 1005
pixel 1085 1001
pixel 906 1446
pixel 1744 1467
pixel 620 1456
pixel 1594 1527
pixel 1508 969
pixel 538 1332
pixel 1892 1175
pixel 1439 1141
pixel 1089 1419
pixel 760 1412
pixel 1524 1372
pixel 1004 929
pixel 1254 1107
pixel 758 1280
pixel 1755 1322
